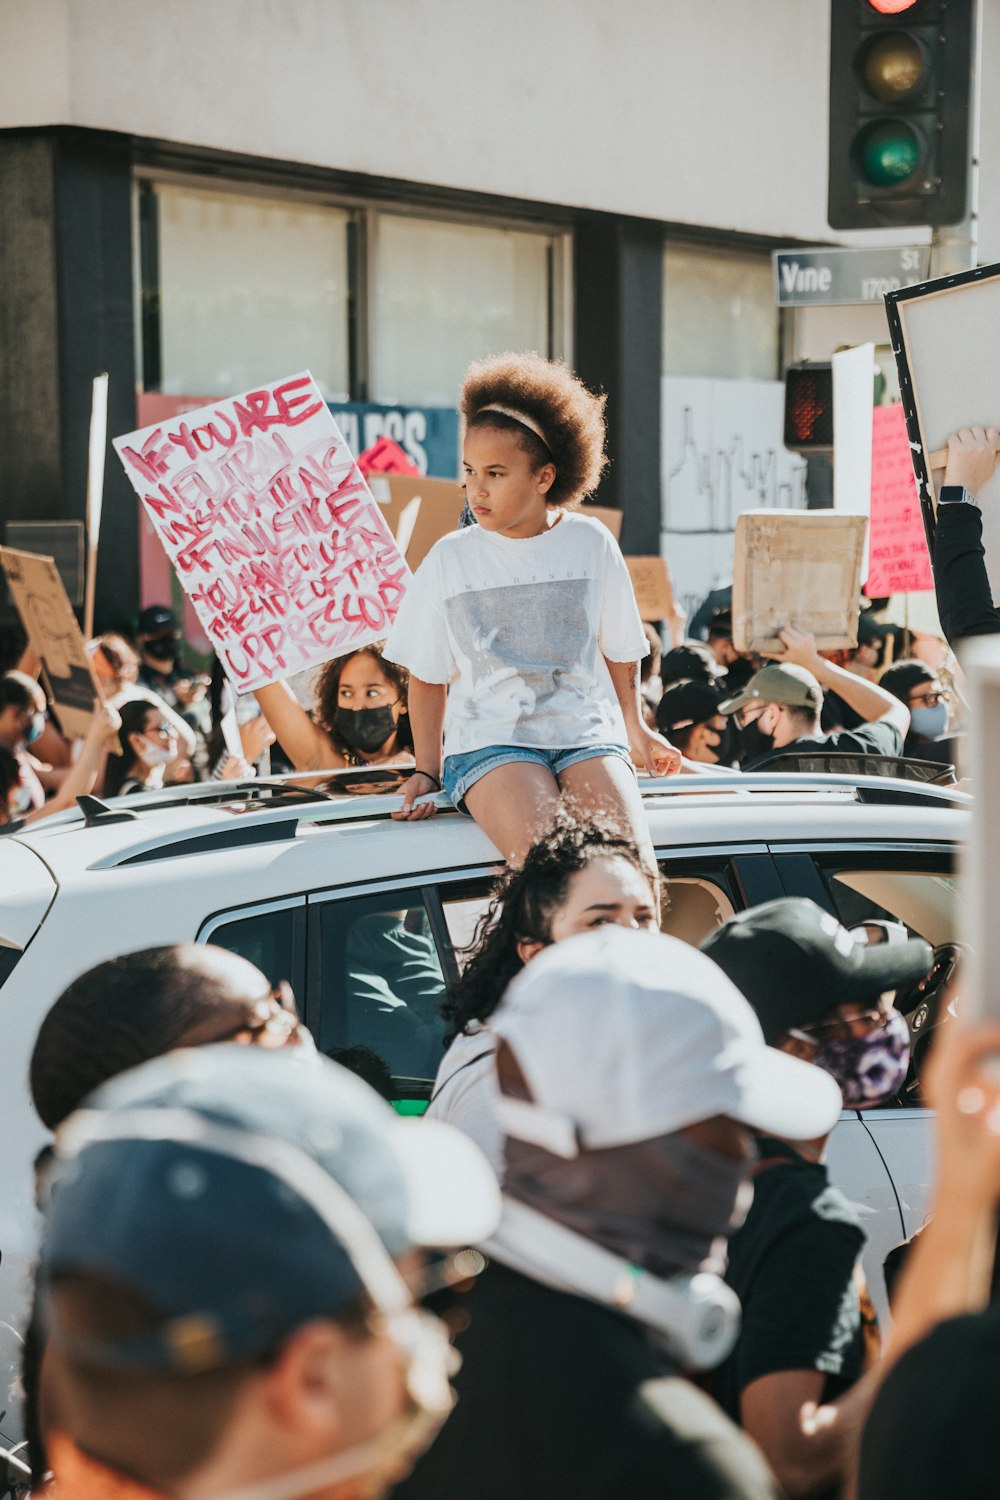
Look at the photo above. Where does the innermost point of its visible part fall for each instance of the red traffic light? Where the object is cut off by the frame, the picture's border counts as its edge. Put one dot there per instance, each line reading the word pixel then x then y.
pixel 892 7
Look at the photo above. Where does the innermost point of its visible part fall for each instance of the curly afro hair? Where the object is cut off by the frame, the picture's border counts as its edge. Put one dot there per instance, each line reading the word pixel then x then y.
pixel 571 417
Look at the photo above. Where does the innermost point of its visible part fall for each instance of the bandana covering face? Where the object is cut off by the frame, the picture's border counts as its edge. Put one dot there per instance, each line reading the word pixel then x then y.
pixel 868 1068
pixel 665 1205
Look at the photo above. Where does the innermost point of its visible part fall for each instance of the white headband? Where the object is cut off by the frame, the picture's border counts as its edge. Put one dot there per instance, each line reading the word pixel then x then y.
pixel 515 416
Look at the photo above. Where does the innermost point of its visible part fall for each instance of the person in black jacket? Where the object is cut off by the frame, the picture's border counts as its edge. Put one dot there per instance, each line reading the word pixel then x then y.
pixel 964 593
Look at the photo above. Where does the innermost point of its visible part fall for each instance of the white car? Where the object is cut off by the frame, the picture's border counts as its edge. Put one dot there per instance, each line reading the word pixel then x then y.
pixel 364 915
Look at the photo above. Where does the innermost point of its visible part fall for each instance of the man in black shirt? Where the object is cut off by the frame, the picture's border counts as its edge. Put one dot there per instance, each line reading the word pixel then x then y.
pixel 809 1330
pixel 627 1066
pixel 780 708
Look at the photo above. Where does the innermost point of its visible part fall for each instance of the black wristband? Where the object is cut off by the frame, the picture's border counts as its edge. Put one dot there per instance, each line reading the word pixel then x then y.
pixel 436 780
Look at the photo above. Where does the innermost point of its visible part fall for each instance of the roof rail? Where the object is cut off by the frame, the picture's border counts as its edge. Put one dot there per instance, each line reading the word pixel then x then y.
pixel 865 788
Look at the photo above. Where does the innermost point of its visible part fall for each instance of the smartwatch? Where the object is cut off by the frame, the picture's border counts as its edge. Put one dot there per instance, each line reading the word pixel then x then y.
pixel 955 494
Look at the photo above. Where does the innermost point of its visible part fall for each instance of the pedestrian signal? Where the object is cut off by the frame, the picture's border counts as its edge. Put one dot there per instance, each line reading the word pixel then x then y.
pixel 809 408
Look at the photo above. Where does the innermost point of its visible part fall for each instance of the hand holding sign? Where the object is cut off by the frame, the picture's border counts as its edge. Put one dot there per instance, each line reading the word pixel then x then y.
pixel 271 527
pixel 972 456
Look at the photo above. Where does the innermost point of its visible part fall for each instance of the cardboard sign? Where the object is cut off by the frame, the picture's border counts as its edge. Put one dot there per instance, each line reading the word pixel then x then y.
pixel 50 624
pixel 271 528
pixel 801 568
pixel 948 358
pixel 899 561
pixel 654 593
pixel 441 502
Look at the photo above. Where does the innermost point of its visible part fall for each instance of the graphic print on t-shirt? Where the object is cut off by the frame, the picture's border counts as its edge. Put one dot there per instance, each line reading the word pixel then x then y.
pixel 513 636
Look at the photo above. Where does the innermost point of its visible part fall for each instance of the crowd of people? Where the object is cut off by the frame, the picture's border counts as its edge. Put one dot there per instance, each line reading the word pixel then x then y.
pixel 609 1259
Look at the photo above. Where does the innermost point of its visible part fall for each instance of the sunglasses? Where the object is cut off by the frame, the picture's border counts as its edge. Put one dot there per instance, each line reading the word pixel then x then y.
pixel 930 700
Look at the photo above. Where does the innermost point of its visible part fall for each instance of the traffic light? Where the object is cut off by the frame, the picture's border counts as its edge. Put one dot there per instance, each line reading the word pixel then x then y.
pixel 900 85
pixel 809 408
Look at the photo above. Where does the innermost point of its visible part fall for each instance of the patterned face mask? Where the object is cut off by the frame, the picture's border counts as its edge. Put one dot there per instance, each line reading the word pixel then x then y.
pixel 868 1068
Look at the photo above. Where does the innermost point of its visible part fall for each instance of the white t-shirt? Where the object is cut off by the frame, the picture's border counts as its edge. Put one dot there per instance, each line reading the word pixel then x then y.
pixel 518 628
pixel 465 1093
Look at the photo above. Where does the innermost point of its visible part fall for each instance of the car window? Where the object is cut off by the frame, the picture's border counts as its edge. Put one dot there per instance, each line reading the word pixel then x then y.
pixel 269 937
pixel 693 907
pixel 379 981
pixel 462 915
pixel 922 892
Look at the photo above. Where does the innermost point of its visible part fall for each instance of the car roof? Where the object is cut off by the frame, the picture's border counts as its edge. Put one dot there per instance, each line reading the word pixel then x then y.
pixel 242 825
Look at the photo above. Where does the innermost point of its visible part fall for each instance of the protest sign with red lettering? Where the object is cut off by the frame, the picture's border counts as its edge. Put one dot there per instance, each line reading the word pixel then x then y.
pixel 271 527
pixel 899 562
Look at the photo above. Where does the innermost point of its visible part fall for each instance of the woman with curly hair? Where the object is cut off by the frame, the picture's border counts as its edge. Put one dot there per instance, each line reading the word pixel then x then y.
pixel 361 716
pixel 578 877
pixel 521 634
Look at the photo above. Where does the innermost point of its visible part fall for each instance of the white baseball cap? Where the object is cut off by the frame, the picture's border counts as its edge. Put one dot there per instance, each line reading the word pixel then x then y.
pixel 625 1036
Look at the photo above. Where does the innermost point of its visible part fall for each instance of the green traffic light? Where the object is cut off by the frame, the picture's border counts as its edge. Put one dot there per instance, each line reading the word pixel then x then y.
pixel 888 153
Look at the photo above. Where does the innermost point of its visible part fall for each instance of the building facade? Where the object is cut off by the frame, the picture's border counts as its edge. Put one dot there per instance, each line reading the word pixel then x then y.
pixel 200 196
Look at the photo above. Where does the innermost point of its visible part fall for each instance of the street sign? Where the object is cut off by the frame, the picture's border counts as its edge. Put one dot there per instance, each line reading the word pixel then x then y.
pixel 845 278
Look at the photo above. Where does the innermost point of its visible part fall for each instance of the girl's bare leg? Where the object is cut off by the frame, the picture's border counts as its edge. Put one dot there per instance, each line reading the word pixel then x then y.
pixel 606 786
pixel 514 805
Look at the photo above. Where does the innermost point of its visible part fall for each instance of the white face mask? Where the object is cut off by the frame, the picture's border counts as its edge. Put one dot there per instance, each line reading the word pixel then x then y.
pixel 157 755
pixel 20 803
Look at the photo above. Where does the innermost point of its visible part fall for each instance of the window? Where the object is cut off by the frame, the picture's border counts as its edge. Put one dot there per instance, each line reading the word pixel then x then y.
pixel 237 287
pixel 381 982
pixel 270 937
pixel 693 908
pixel 463 911
pixel 719 317
pixel 247 288
pixel 917 890
pixel 449 293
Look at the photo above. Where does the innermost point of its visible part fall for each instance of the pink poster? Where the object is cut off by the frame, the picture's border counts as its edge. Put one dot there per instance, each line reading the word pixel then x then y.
pixel 899 562
pixel 271 528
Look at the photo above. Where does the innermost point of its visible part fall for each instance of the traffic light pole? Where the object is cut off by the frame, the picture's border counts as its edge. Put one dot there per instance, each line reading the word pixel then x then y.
pixel 955 247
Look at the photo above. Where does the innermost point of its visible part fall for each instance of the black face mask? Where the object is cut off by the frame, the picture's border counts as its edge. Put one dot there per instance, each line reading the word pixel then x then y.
pixel 364 729
pixel 727 750
pixel 161 648
pixel 753 742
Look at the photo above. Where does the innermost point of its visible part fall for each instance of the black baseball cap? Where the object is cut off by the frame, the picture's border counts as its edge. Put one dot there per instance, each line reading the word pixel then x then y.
pixel 903 676
pixel 691 661
pixel 685 703
pixel 156 619
pixel 794 962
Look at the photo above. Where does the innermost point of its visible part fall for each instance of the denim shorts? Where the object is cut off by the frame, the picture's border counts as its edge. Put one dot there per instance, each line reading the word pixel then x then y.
pixel 462 771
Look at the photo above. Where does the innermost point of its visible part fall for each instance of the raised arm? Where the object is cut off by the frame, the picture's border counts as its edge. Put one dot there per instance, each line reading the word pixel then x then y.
pixel 307 746
pixel 867 699
pixel 965 600
pixel 81 776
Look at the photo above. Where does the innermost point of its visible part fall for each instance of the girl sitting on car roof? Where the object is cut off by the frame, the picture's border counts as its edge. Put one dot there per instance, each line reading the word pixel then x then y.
pixel 521 634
